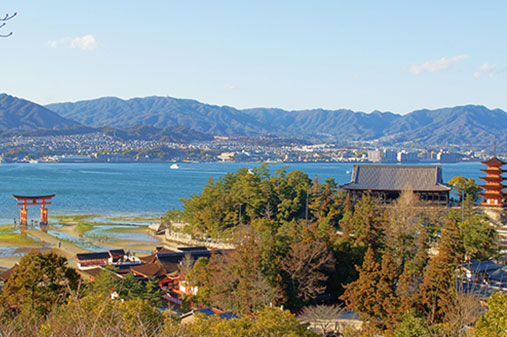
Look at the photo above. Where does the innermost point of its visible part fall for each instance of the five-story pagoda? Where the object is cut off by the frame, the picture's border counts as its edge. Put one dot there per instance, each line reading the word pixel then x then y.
pixel 492 194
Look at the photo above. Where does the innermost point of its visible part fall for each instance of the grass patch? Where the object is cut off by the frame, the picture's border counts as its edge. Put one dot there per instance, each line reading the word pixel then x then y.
pixel 7 228
pixel 83 227
pixel 135 218
pixel 133 229
pixel 72 218
pixel 19 240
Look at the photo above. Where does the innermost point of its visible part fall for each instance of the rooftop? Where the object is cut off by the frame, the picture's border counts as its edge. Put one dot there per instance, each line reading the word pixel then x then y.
pixel 397 178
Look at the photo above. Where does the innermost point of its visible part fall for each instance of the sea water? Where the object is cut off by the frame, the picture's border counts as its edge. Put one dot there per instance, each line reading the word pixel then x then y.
pixel 147 189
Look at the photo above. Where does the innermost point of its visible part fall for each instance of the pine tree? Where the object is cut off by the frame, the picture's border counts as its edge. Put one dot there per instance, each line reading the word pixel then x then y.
pixel 438 288
pixel 361 295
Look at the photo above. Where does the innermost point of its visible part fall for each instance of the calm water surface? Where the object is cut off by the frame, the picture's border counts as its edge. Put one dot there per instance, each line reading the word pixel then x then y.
pixel 142 188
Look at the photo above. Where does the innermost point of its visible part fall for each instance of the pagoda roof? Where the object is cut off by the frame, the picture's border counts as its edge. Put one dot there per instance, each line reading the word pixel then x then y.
pixel 493 194
pixel 397 178
pixel 494 161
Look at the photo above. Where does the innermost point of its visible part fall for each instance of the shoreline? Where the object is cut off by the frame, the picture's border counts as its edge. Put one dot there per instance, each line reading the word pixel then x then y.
pixel 69 237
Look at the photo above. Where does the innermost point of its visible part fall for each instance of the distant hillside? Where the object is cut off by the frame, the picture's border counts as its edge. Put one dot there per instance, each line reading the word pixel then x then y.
pixel 177 134
pixel 17 113
pixel 470 125
pixel 463 125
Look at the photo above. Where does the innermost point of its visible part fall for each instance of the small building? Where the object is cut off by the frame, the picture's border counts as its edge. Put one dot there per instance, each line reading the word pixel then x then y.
pixel 111 257
pixel 386 182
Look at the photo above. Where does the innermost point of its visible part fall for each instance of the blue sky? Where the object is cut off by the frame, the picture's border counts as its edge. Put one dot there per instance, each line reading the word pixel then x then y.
pixel 363 55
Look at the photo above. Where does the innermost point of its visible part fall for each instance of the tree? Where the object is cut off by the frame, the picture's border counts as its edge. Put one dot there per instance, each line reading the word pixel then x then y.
pixel 365 227
pixel 463 186
pixel 266 322
pixel 323 316
pixel 304 266
pixel 3 22
pixel 480 239
pixel 98 315
pixel 412 326
pixel 438 290
pixel 494 322
pixel 39 283
pixel 361 295
pixel 236 282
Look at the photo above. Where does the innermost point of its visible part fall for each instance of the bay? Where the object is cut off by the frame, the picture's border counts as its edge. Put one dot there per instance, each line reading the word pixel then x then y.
pixel 145 189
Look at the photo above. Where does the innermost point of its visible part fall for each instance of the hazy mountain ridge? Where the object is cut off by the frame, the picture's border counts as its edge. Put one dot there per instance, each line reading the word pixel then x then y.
pixel 17 113
pixel 173 119
pixel 461 125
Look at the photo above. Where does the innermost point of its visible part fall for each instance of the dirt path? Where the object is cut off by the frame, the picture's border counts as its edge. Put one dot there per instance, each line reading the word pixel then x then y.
pixel 66 249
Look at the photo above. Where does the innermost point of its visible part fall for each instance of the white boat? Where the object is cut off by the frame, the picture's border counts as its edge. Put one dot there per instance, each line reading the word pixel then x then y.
pixel 33 161
pixel 174 166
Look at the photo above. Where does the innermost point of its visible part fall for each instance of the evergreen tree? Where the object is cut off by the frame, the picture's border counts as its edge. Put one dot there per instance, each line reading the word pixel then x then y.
pixel 39 283
pixel 438 289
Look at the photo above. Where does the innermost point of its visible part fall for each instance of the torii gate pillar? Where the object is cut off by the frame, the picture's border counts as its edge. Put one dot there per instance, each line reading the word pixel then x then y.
pixel 33 200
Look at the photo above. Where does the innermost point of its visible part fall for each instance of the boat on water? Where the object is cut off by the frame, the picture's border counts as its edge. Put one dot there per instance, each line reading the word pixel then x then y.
pixel 33 161
pixel 174 166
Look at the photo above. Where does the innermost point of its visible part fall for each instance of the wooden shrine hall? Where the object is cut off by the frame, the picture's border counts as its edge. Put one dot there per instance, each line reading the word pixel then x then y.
pixel 33 200
pixel 385 183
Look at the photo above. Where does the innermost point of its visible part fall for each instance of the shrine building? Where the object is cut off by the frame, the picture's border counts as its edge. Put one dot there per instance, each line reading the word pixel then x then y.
pixel 494 190
pixel 386 182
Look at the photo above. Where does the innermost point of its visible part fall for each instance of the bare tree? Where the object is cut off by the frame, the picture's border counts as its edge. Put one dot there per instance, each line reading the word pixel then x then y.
pixel 3 20
pixel 323 317
pixel 304 264
pixel 186 265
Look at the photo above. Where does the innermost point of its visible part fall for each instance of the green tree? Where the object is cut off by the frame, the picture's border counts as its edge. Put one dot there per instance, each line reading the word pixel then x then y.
pixel 438 289
pixel 412 326
pixel 463 186
pixel 39 283
pixel 480 239
pixel 494 322
pixel 266 322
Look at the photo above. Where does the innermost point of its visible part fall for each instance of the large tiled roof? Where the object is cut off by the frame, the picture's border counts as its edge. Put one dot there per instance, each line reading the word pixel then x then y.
pixel 397 178
pixel 149 269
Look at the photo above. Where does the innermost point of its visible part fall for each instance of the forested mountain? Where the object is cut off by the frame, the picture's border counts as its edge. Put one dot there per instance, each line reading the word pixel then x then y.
pixel 172 118
pixel 461 125
pixel 16 113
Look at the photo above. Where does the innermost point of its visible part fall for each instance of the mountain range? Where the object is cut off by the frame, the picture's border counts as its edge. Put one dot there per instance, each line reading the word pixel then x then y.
pixel 467 126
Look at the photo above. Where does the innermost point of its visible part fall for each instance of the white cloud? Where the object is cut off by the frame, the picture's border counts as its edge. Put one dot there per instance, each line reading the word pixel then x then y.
pixel 486 69
pixel 436 65
pixel 86 42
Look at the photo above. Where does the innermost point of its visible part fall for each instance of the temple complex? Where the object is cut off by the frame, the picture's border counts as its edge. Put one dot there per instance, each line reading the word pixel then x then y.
pixel 386 183
pixel 493 189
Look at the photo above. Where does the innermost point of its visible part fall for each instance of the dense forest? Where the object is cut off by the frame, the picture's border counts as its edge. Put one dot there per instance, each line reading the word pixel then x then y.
pixel 299 244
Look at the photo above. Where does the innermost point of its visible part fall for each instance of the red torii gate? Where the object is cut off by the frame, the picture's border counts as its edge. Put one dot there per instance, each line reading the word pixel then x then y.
pixel 34 200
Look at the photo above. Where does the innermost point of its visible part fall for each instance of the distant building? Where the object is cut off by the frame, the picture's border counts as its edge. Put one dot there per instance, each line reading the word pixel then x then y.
pixel 390 156
pixel 375 156
pixel 382 156
pixel 226 156
pixel 449 157
pixel 408 157
pixel 387 182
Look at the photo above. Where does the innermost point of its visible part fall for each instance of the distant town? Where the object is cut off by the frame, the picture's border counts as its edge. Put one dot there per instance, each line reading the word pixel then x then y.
pixel 102 147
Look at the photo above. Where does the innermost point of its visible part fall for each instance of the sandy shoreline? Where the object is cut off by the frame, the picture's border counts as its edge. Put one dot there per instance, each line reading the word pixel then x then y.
pixel 70 247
